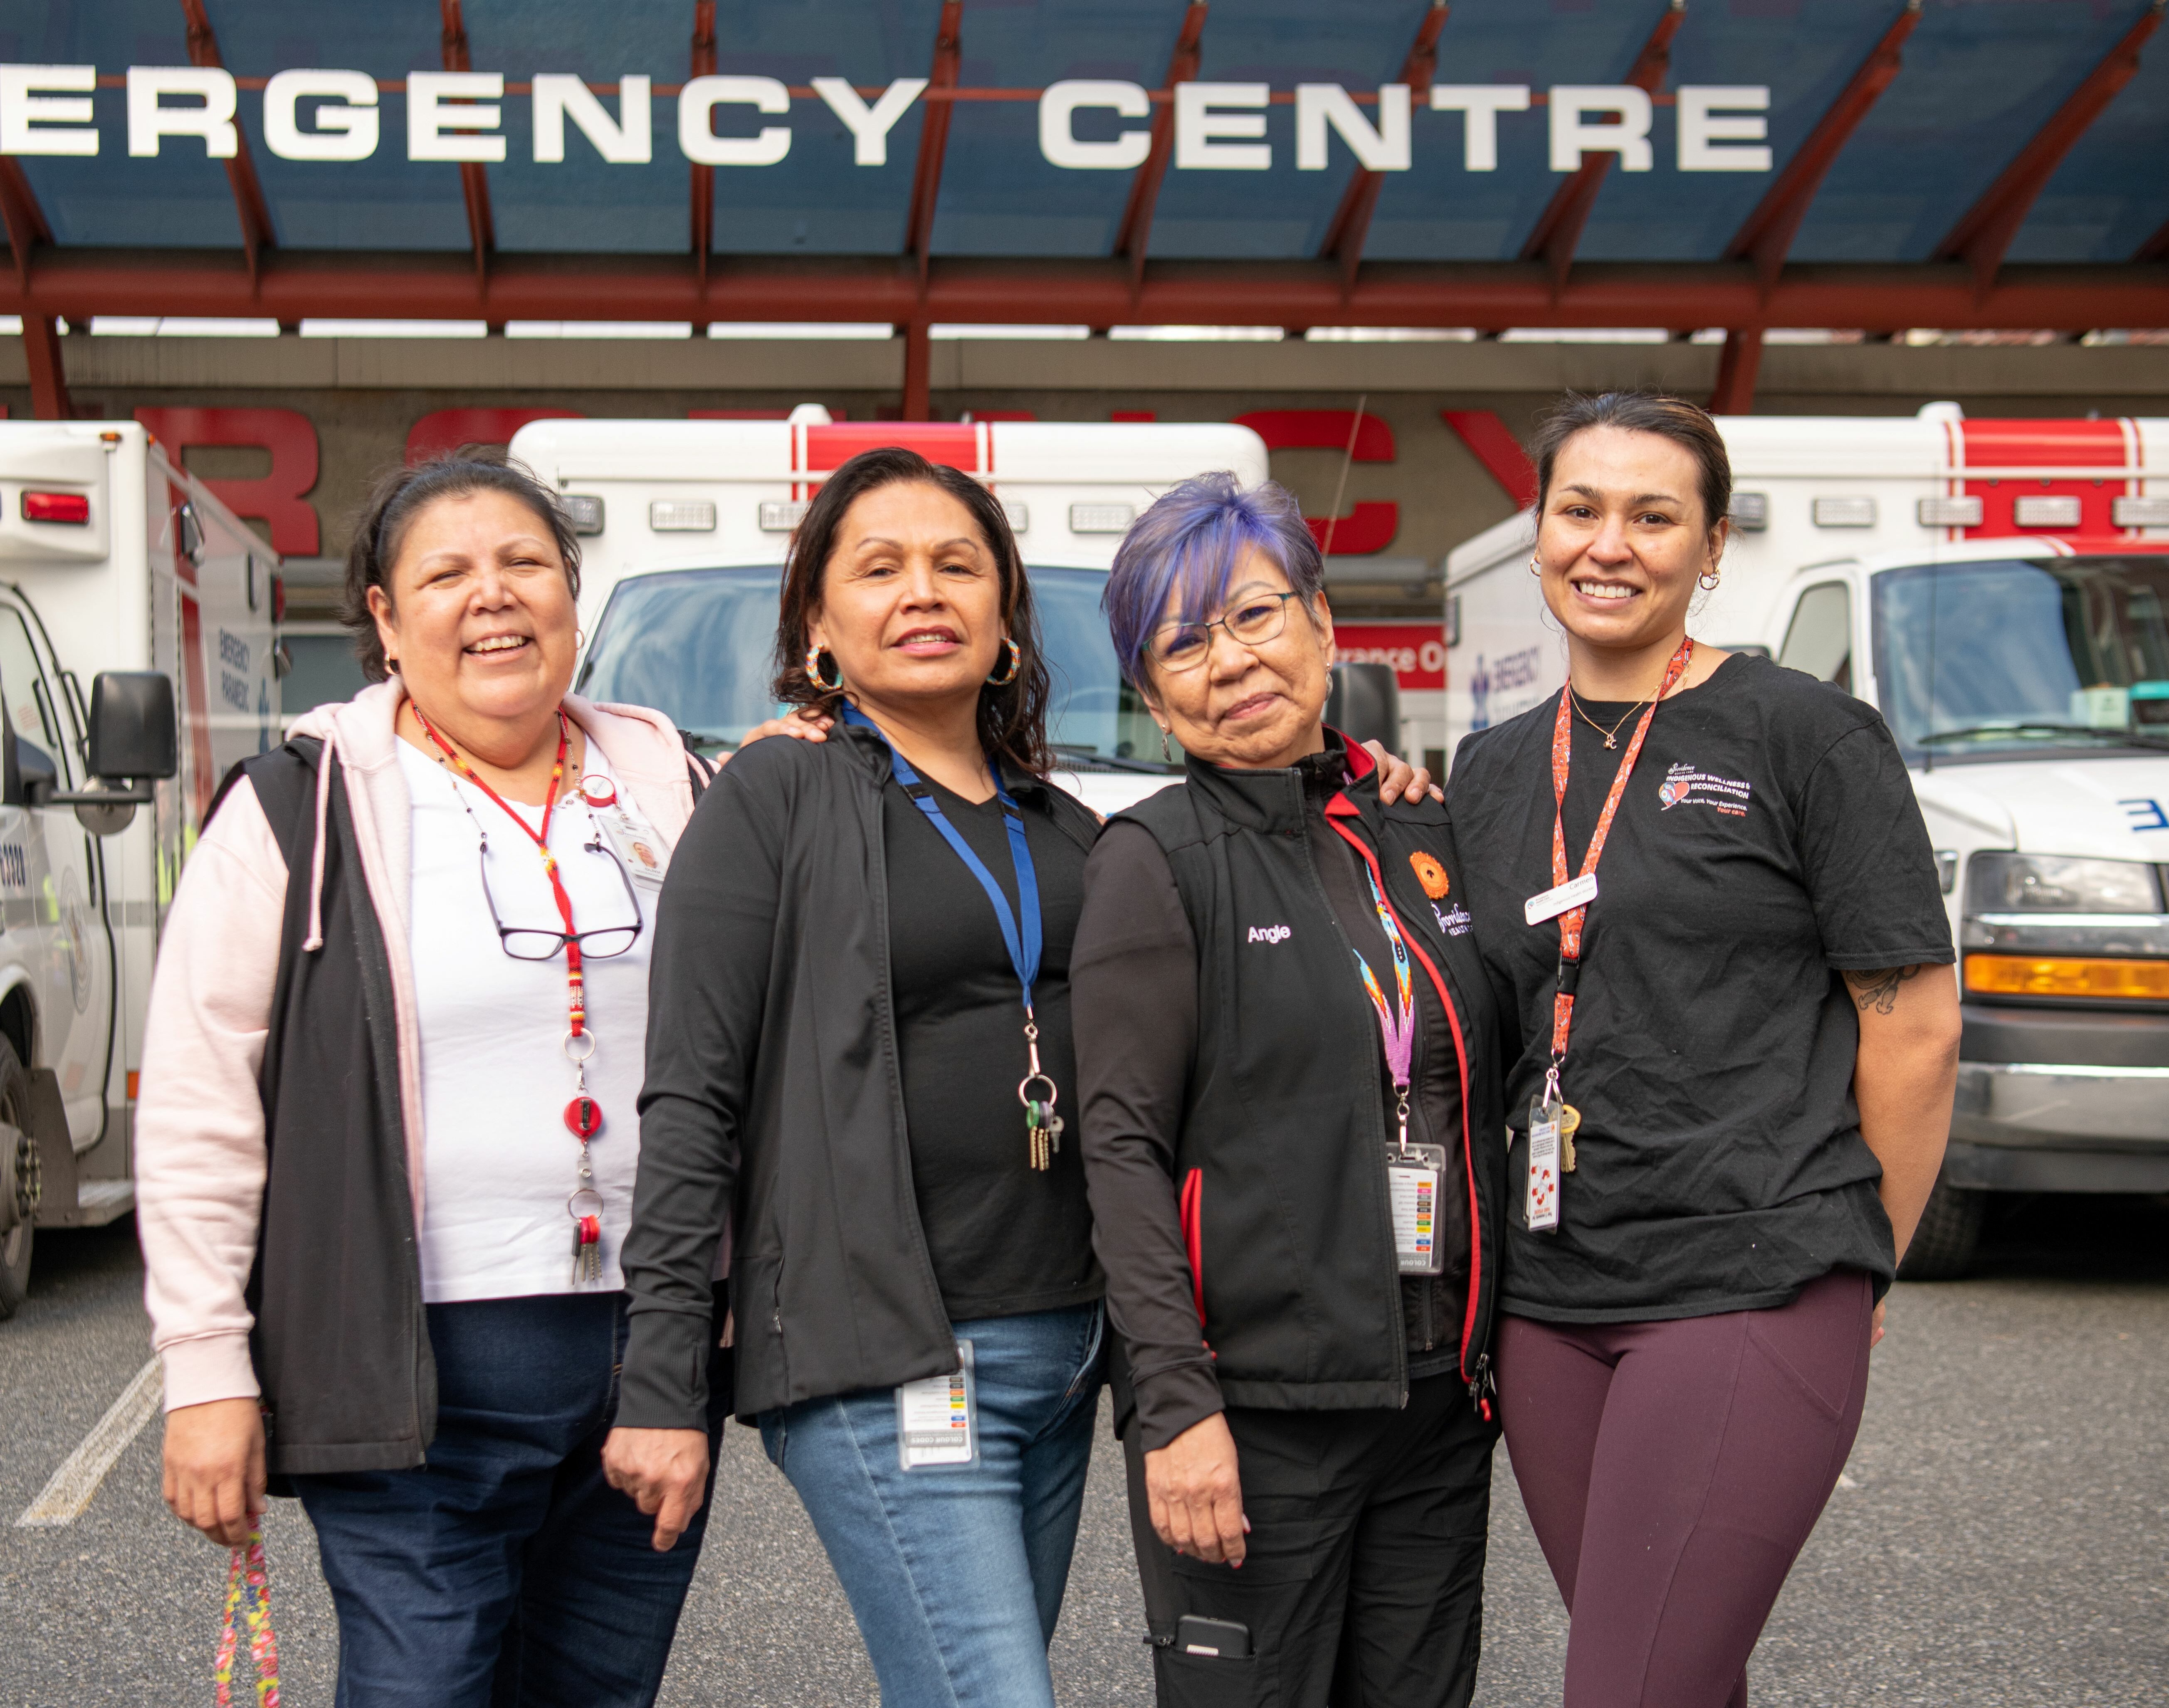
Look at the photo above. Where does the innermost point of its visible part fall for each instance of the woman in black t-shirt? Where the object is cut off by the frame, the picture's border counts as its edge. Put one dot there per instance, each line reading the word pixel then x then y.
pixel 1735 1061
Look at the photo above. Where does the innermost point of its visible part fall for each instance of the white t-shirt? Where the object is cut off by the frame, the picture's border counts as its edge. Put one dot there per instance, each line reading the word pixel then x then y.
pixel 498 1161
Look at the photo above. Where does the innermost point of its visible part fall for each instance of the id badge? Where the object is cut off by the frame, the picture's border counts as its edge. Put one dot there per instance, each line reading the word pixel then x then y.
pixel 1541 1204
pixel 1413 1180
pixel 937 1418
pixel 633 839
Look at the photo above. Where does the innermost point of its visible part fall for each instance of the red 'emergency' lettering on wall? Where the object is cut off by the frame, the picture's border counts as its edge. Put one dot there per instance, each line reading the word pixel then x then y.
pixel 278 497
pixel 1369 527
pixel 445 430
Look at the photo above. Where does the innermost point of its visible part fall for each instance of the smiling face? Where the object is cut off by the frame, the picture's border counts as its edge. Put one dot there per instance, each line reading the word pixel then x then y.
pixel 911 598
pixel 1623 539
pixel 1248 706
pixel 479 615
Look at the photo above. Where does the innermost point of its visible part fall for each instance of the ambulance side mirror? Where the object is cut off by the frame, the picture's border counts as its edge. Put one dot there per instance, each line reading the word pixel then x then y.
pixel 133 731
pixel 1365 704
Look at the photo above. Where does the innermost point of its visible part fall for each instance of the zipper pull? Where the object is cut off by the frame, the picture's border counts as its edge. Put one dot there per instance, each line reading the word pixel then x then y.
pixel 1481 1386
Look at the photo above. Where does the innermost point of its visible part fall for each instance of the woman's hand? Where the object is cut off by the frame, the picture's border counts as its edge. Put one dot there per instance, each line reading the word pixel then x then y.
pixel 664 1471
pixel 1875 1326
pixel 804 725
pixel 1398 778
pixel 214 1474
pixel 1196 1494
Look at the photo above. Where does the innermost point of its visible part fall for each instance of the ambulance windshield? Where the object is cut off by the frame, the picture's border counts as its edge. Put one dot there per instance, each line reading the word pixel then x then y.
pixel 1988 660
pixel 698 645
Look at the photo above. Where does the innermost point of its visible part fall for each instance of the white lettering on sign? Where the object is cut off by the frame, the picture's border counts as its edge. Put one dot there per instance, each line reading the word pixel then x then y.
pixel 696 136
pixel 1415 652
pixel 441 104
pixel 1058 135
pixel 627 141
pixel 149 119
pixel 1201 123
pixel 35 118
pixel 331 114
pixel 345 124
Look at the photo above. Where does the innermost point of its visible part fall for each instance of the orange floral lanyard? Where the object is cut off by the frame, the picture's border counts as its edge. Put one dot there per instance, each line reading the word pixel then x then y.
pixel 584 1116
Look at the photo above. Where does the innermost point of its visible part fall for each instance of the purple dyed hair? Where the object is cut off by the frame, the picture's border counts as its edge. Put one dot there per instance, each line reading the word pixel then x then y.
pixel 1187 545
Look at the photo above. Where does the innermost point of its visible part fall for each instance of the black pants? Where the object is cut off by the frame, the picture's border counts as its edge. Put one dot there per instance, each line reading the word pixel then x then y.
pixel 1363 1585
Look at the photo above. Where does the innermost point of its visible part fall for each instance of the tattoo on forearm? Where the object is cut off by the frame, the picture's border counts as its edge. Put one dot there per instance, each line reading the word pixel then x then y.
pixel 1876 987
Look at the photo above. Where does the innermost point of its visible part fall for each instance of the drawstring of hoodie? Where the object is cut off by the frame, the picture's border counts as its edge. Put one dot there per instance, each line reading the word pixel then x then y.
pixel 315 939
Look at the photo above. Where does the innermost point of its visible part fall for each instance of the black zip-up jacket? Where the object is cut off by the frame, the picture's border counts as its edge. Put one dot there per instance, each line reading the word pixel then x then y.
pixel 775 1096
pixel 1277 1206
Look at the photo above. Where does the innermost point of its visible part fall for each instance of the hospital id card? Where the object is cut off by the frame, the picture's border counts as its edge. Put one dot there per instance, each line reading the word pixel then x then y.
pixel 1414 1176
pixel 937 1417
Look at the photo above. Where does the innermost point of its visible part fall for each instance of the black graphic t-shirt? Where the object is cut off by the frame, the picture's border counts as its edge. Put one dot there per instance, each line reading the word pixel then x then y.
pixel 1768 838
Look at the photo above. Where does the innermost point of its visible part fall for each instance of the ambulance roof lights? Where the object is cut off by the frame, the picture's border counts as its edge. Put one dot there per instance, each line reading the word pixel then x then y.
pixel 1751 511
pixel 682 516
pixel 2051 510
pixel 2142 513
pixel 780 516
pixel 584 511
pixel 1844 512
pixel 1952 513
pixel 1018 513
pixel 1102 519
pixel 70 508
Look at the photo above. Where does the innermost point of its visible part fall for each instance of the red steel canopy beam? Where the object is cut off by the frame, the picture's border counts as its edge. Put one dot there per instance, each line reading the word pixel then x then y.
pixel 249 206
pixel 934 134
pixel 48 391
pixel 474 182
pixel 704 176
pixel 1736 368
pixel 1352 221
pixel 1559 228
pixel 25 220
pixel 1766 237
pixel 294 285
pixel 1984 235
pixel 1134 235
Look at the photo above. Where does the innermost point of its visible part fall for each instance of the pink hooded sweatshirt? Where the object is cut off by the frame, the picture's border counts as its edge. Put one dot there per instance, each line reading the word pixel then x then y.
pixel 200 1140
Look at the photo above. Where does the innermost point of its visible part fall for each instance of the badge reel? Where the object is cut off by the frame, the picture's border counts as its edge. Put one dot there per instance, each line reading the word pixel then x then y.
pixel 632 839
pixel 937 1417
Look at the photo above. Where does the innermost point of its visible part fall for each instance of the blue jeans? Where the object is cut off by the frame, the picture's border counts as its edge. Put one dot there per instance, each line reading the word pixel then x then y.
pixel 955 1573
pixel 504 1572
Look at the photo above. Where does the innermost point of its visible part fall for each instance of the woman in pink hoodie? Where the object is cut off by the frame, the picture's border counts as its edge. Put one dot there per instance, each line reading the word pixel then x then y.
pixel 387 1134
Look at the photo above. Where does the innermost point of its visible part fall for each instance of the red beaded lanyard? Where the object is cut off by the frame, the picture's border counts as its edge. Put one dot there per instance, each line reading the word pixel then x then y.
pixel 1571 921
pixel 583 1117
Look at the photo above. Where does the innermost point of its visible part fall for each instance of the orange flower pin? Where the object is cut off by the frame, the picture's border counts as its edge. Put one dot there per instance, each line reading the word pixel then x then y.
pixel 1430 874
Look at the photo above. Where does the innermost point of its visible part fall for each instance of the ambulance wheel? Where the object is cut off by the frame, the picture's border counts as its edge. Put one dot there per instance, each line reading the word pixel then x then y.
pixel 19 1179
pixel 1948 1237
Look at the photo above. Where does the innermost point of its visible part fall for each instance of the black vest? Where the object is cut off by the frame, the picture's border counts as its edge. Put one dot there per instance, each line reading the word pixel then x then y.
pixel 1280 1162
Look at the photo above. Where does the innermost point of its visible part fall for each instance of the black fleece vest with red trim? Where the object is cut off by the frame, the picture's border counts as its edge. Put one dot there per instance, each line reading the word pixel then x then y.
pixel 1280 1163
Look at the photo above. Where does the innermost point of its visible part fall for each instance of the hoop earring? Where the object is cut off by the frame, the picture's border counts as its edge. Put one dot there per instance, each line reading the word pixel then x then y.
pixel 813 670
pixel 1016 663
pixel 1706 581
pixel 579 638
pixel 1166 757
pixel 1536 566
pixel 391 665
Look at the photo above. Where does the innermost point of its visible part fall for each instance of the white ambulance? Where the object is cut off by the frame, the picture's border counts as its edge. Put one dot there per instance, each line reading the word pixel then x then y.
pixel 687 523
pixel 138 661
pixel 1999 589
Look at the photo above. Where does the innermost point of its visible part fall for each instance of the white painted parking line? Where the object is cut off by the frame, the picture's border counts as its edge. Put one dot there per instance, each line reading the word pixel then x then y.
pixel 65 1497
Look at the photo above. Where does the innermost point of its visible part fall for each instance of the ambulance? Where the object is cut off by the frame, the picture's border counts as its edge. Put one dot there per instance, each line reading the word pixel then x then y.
pixel 138 660
pixel 687 523
pixel 1999 590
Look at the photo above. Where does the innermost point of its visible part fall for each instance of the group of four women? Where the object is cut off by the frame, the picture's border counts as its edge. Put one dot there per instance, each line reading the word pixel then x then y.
pixel 521 1097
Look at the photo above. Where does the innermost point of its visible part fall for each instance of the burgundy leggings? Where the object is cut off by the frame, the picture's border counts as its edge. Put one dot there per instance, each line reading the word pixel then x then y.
pixel 1672 1472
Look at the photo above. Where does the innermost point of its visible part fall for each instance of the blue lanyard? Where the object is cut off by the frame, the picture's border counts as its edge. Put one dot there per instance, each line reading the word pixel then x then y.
pixel 1022 941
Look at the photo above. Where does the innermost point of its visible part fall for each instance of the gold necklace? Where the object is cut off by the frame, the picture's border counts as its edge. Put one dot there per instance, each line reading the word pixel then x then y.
pixel 1611 736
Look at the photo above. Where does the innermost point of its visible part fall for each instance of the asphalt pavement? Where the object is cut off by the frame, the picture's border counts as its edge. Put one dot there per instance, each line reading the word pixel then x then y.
pixel 2001 1538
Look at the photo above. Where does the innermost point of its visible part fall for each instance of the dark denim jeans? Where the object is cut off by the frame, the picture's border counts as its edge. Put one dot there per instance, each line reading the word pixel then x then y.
pixel 955 1573
pixel 505 1572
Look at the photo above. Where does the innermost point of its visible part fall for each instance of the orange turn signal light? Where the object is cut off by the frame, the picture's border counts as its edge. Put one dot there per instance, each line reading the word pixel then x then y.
pixel 2042 976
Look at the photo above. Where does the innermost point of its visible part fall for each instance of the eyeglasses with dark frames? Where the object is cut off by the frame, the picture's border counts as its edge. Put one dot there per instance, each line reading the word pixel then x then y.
pixel 525 943
pixel 1257 619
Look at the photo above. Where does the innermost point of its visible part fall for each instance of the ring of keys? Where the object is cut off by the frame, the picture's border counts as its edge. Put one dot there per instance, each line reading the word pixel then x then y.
pixel 1042 1127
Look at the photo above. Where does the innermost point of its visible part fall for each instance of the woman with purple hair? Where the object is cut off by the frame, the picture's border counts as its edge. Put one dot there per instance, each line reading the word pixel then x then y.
pixel 1287 1052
